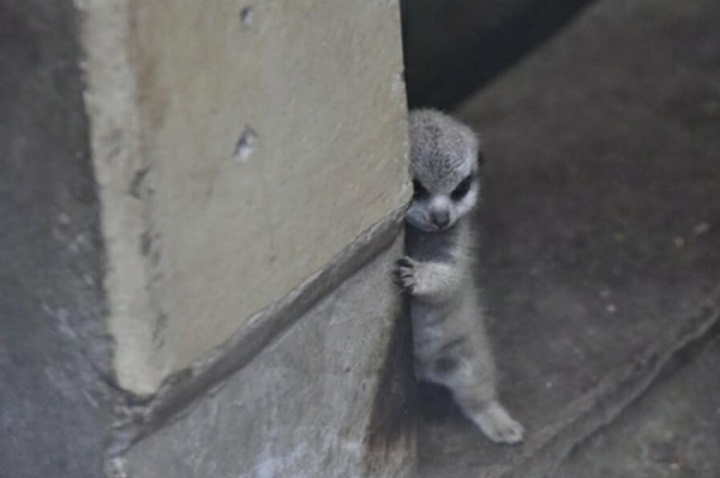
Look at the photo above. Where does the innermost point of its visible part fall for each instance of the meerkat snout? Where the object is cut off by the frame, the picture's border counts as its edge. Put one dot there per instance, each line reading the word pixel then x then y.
pixel 440 218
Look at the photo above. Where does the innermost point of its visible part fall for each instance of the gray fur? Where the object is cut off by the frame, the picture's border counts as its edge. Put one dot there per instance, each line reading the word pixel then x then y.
pixel 450 344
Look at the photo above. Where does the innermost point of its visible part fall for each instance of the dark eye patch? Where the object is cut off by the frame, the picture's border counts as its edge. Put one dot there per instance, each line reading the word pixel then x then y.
pixel 419 190
pixel 462 189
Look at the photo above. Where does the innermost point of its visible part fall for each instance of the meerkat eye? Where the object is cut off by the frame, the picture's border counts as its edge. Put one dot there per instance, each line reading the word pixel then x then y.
pixel 419 189
pixel 462 189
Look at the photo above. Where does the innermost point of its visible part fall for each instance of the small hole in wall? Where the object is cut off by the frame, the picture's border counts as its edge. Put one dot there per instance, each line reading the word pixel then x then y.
pixel 245 145
pixel 246 15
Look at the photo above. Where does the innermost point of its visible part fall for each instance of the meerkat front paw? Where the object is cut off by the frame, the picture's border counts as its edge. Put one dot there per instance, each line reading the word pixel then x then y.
pixel 404 274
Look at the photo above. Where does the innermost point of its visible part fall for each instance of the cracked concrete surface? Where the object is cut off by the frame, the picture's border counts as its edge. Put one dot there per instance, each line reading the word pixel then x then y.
pixel 602 227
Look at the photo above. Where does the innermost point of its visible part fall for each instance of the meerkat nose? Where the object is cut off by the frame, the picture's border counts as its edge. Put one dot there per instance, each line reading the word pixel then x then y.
pixel 440 218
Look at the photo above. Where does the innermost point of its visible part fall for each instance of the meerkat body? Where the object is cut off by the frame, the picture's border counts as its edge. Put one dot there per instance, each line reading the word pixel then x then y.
pixel 450 343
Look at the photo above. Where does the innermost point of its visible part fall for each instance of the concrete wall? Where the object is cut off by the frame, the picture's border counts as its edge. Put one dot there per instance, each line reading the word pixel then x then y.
pixel 196 278
pixel 323 401
pixel 253 143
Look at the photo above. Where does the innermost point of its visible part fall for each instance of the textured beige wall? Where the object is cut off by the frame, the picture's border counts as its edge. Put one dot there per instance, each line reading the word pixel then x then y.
pixel 200 236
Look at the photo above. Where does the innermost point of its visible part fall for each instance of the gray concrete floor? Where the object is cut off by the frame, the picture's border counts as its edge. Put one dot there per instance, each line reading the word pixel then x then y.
pixel 672 431
pixel 602 239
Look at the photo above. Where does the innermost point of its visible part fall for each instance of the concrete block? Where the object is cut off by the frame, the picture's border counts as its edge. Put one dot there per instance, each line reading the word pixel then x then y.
pixel 322 401
pixel 225 167
pixel 238 148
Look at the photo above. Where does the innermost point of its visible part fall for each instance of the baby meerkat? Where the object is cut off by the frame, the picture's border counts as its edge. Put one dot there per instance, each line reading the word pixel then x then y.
pixel 450 344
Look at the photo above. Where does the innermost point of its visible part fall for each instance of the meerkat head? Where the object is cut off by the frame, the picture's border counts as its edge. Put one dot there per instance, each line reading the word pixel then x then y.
pixel 445 158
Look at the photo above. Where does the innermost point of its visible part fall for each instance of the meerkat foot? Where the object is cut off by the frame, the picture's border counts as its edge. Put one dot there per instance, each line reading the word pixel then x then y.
pixel 497 424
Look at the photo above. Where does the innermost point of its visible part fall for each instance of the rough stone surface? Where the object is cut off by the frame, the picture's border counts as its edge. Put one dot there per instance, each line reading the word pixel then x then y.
pixel 230 142
pixel 601 216
pixel 313 404
pixel 54 355
pixel 185 387
pixel 674 431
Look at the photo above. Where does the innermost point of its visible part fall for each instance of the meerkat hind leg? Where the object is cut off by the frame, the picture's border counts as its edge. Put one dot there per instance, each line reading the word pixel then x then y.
pixel 489 415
